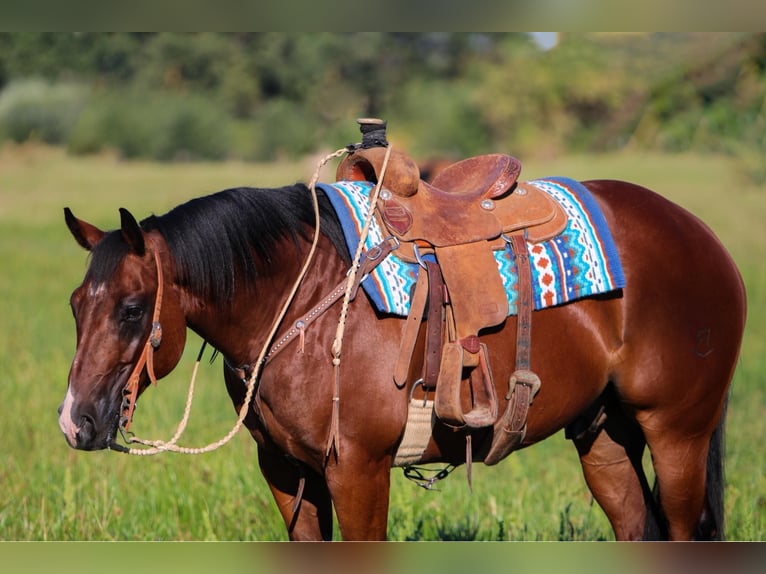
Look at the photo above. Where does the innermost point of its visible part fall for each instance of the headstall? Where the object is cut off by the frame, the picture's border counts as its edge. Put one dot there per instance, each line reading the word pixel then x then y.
pixel 130 392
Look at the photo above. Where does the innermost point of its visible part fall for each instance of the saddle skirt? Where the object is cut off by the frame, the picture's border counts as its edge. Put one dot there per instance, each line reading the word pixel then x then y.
pixel 580 261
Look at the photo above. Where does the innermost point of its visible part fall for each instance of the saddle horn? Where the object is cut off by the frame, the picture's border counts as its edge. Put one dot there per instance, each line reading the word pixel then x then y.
pixel 365 161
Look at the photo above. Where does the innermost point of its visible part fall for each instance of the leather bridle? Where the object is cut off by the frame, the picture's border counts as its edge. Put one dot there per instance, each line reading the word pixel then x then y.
pixel 370 260
pixel 130 392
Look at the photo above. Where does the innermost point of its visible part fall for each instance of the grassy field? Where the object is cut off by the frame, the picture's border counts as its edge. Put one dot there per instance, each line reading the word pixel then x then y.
pixel 51 492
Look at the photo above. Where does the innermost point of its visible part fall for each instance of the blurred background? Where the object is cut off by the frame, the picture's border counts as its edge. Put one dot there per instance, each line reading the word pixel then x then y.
pixel 267 96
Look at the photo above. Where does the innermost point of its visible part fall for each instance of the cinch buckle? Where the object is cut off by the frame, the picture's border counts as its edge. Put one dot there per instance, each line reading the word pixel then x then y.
pixel 425 390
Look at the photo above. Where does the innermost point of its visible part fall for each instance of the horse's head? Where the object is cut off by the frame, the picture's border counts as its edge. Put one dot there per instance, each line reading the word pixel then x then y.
pixel 130 330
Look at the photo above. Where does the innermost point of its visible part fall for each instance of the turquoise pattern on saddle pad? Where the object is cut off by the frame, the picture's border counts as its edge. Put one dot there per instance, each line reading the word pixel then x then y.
pixel 580 262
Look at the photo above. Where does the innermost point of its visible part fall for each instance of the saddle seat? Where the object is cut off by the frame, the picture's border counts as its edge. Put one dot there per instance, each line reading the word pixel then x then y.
pixel 482 176
pixel 487 175
pixel 471 200
pixel 470 209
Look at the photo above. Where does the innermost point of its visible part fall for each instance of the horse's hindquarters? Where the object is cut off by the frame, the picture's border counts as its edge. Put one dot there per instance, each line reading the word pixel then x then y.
pixel 684 305
pixel 684 315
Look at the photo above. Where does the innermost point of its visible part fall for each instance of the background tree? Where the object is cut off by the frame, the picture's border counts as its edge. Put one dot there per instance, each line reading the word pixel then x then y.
pixel 264 95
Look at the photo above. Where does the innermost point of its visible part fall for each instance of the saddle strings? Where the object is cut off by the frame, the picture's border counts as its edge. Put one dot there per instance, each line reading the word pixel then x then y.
pixel 158 446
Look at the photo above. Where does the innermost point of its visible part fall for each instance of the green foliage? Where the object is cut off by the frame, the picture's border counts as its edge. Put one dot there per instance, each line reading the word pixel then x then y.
pixel 35 109
pixel 183 62
pixel 280 130
pixel 158 126
pixel 445 118
pixel 279 94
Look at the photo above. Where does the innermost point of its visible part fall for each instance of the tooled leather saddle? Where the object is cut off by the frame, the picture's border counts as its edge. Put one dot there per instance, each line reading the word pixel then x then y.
pixel 451 226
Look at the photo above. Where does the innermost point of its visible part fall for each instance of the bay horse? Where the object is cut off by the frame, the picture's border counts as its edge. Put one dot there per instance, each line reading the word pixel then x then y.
pixel 654 359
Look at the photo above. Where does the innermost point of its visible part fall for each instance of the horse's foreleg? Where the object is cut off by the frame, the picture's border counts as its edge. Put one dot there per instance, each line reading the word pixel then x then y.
pixel 360 493
pixel 307 514
pixel 611 462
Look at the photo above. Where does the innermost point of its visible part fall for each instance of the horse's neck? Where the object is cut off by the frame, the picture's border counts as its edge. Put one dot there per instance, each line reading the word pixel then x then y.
pixel 240 329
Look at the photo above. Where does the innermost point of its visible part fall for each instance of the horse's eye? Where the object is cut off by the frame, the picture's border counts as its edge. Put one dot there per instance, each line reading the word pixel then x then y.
pixel 132 313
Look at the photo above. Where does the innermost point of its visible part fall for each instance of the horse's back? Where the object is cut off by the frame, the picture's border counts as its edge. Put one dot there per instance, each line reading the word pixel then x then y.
pixel 666 250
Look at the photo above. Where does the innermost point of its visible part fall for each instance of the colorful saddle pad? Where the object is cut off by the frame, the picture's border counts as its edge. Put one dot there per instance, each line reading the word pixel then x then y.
pixel 580 262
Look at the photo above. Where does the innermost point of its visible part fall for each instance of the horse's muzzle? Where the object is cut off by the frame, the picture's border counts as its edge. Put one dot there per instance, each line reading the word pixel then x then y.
pixel 86 434
pixel 82 432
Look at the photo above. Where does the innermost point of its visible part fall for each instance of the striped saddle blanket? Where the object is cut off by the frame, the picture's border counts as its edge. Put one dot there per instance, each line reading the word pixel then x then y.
pixel 579 262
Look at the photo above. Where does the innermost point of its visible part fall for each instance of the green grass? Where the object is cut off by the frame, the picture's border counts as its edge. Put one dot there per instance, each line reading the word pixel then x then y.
pixel 51 492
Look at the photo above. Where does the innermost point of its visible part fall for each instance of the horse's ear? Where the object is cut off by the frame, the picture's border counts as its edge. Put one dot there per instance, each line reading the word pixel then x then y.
pixel 87 235
pixel 131 231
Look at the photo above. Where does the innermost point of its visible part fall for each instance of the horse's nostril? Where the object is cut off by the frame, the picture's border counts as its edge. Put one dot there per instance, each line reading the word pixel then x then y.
pixel 86 432
pixel 60 409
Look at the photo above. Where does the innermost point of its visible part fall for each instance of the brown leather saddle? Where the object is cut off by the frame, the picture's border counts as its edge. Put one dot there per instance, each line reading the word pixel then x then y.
pixel 470 209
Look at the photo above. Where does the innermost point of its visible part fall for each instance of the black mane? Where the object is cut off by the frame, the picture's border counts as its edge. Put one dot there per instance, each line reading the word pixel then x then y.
pixel 212 238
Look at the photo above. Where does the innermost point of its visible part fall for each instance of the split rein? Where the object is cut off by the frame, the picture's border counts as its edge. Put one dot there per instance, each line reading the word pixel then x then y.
pixel 362 264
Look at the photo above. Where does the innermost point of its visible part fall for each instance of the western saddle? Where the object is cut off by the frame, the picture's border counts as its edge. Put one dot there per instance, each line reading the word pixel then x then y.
pixel 451 227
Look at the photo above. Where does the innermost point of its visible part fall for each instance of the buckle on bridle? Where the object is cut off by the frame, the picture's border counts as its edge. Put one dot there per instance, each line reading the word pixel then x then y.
pixel 155 337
